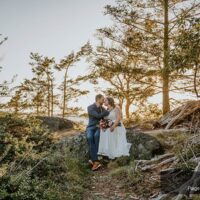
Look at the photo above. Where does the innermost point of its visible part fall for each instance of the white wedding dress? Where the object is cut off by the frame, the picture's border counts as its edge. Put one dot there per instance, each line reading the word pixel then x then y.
pixel 113 144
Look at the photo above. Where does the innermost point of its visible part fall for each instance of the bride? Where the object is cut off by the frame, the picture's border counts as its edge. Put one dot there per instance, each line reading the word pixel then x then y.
pixel 113 142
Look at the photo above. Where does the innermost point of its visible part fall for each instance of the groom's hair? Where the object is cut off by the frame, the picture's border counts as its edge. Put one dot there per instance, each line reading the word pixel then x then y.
pixel 98 96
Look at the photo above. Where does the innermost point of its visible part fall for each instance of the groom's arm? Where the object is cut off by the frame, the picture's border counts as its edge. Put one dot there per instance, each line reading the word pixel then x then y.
pixel 94 113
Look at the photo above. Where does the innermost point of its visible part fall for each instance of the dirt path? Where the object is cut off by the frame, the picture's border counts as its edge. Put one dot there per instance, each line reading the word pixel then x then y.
pixel 104 187
pixel 122 183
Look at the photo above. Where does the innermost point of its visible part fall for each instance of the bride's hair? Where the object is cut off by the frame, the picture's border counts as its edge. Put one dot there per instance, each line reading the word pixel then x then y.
pixel 111 101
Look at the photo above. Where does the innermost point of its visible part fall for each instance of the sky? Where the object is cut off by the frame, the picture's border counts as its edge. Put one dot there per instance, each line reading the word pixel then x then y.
pixel 52 28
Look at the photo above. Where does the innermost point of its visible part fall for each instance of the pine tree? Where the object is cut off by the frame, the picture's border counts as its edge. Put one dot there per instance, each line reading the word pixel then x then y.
pixel 158 20
pixel 68 86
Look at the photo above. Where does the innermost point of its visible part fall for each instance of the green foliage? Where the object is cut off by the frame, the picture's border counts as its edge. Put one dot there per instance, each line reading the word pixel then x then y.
pixel 144 115
pixel 186 153
pixel 60 176
pixel 144 32
pixel 187 46
pixel 22 135
pixel 185 57
pixel 171 141
pixel 38 93
pixel 5 86
pixel 147 112
pixel 68 87
pixel 182 146
pixel 127 174
pixel 34 167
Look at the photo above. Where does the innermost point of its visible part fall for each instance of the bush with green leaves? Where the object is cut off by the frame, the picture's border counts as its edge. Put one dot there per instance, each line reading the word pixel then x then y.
pixel 21 135
pixel 35 167
pixel 58 176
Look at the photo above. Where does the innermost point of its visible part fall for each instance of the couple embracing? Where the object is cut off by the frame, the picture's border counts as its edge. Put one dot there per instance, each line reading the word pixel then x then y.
pixel 106 134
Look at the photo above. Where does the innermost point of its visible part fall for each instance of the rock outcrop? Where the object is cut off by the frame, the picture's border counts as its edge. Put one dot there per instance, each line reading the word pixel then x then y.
pixel 56 123
pixel 144 146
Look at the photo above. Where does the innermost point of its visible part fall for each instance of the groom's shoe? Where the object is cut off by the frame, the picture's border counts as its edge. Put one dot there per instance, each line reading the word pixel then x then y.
pixel 96 165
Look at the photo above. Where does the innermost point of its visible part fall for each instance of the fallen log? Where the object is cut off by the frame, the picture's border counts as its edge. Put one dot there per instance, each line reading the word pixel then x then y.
pixel 184 188
pixel 147 164
pixel 167 131
pixel 176 117
pixel 187 115
pixel 155 166
pixel 155 159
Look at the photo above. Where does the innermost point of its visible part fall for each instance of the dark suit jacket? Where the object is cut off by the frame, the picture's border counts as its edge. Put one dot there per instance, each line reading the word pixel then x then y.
pixel 96 114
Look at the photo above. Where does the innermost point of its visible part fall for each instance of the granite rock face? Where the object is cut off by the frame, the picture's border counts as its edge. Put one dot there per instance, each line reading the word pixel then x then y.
pixel 77 145
pixel 144 146
pixel 56 123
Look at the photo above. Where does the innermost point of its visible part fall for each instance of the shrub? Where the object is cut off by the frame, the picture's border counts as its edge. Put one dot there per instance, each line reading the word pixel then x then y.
pixel 34 167
pixel 21 135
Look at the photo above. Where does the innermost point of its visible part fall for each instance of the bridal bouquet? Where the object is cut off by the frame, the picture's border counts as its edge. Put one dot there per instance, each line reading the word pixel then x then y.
pixel 105 123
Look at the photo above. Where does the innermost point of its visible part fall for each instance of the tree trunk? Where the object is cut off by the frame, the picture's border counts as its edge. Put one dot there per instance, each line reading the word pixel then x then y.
pixel 52 98
pixel 195 80
pixel 64 93
pixel 49 97
pixel 166 105
pixel 165 72
pixel 127 107
pixel 16 109
pixel 37 105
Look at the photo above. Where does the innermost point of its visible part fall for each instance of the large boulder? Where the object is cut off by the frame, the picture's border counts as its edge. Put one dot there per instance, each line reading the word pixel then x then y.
pixel 56 123
pixel 144 146
pixel 77 145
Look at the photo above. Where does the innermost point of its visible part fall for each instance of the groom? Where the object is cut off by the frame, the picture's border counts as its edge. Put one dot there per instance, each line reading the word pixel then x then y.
pixel 96 112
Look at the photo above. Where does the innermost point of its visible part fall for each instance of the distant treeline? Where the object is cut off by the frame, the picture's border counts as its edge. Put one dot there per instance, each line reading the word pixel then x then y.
pixel 152 47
